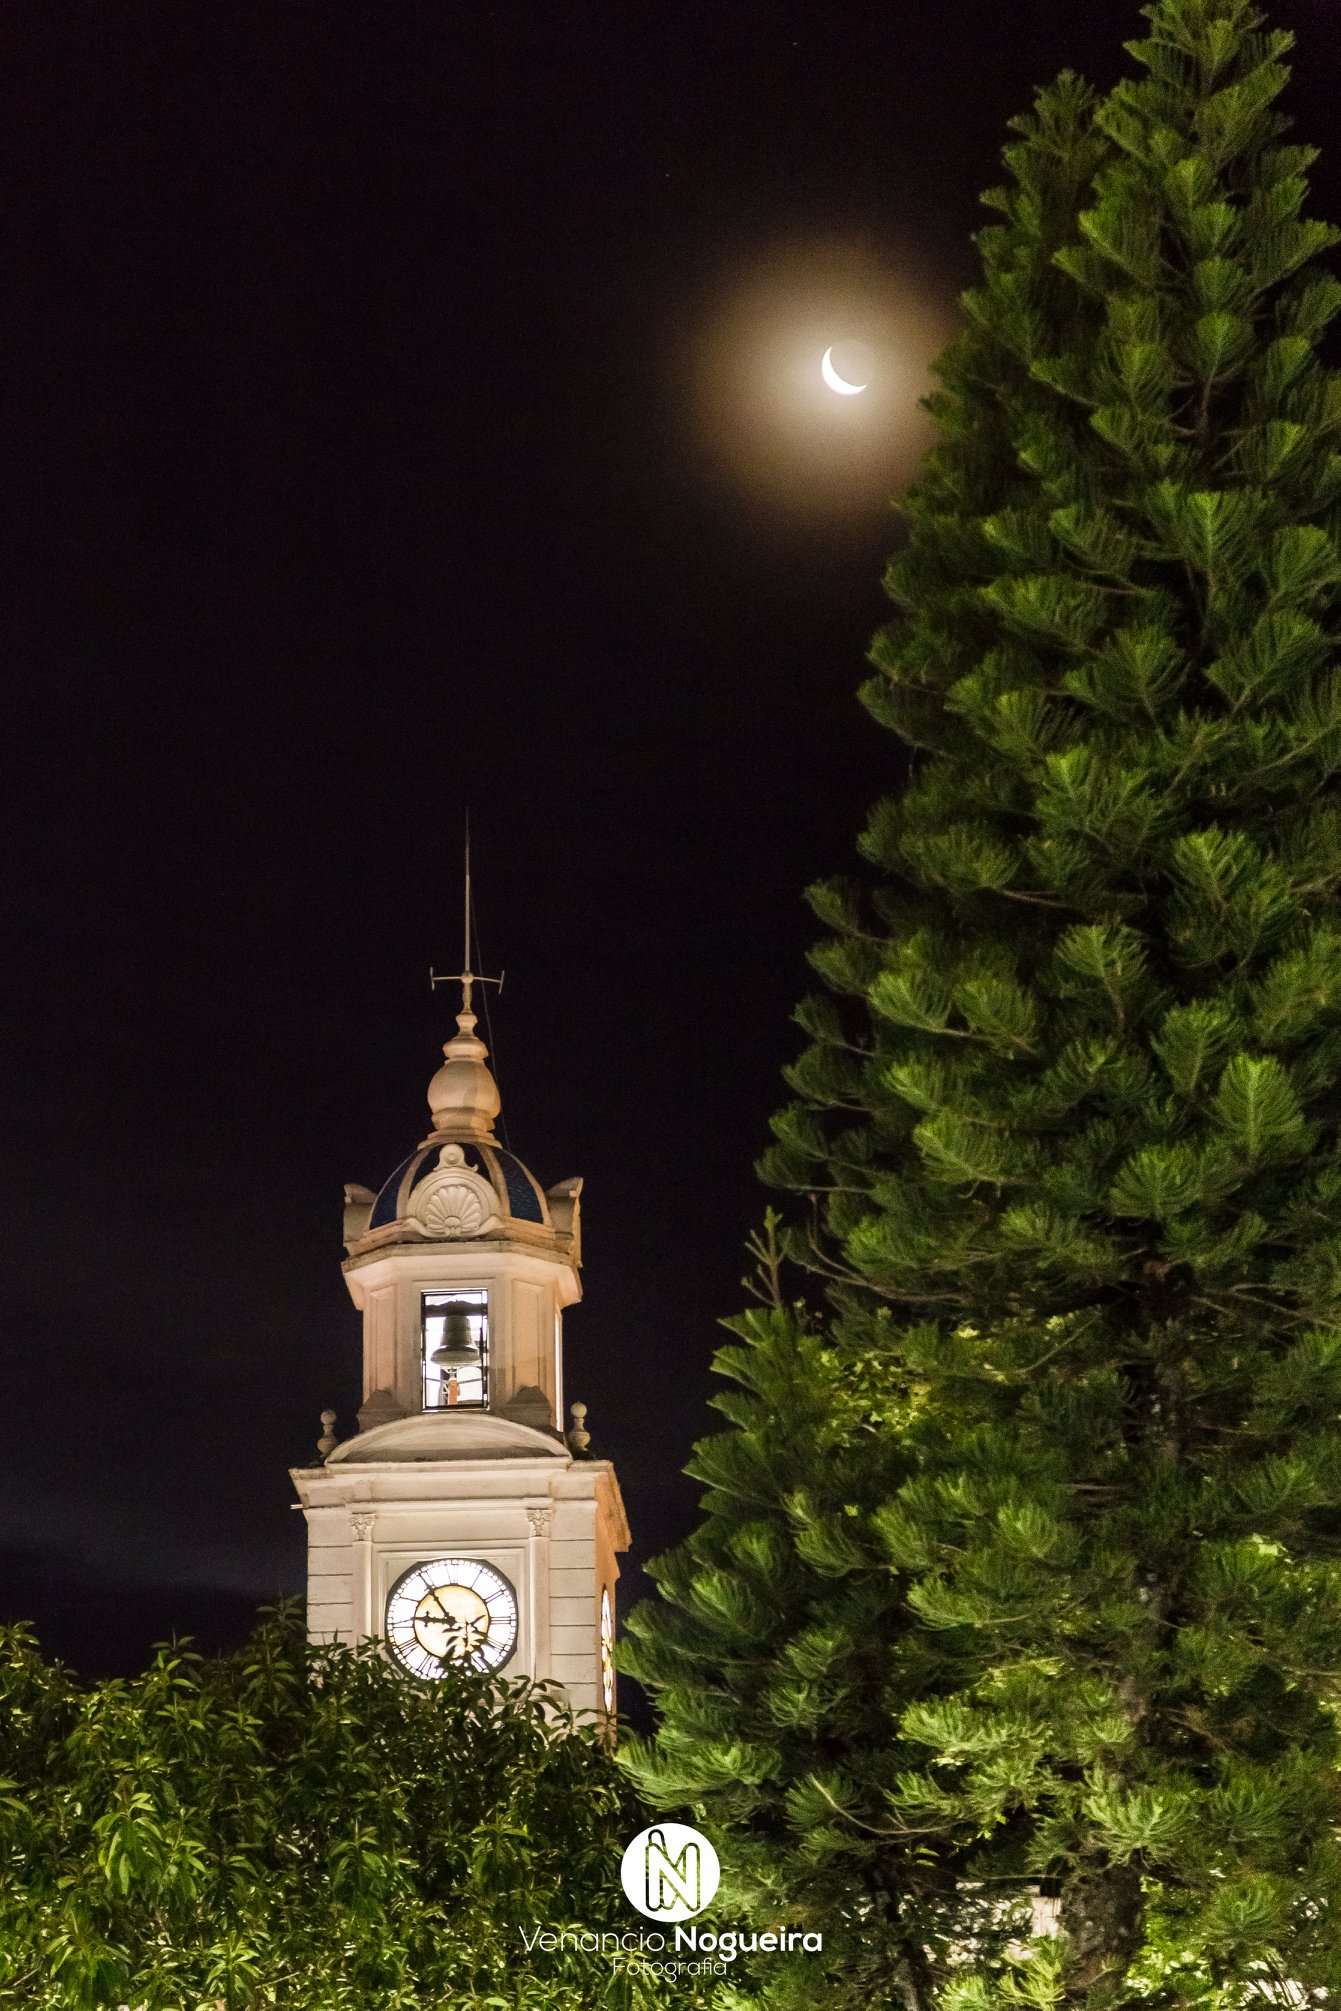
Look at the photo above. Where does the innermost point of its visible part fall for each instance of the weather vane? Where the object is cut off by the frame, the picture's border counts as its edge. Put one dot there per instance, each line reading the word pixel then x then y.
pixel 465 977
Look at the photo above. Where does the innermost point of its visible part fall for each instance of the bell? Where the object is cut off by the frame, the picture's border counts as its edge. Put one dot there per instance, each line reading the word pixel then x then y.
pixel 456 1349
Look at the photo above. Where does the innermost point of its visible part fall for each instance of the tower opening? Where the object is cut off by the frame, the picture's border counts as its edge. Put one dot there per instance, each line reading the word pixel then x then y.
pixel 454 1331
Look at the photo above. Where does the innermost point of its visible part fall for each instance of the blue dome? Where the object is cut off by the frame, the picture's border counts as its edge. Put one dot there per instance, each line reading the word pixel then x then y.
pixel 518 1193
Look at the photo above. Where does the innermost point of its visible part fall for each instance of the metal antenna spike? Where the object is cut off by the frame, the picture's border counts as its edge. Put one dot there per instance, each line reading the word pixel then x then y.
pixel 465 958
pixel 465 977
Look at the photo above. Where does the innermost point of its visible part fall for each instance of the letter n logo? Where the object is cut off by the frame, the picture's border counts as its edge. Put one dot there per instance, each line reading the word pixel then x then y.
pixel 671 1882
pixel 670 1872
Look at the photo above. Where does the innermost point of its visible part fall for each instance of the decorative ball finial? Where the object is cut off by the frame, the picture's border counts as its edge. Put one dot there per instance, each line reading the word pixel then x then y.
pixel 579 1438
pixel 463 1096
pixel 327 1443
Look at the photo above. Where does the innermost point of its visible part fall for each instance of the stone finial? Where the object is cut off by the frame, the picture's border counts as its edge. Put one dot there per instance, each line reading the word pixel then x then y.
pixel 463 1096
pixel 579 1438
pixel 359 1203
pixel 327 1443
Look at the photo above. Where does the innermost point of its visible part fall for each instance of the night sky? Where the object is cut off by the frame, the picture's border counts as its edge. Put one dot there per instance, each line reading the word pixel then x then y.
pixel 392 426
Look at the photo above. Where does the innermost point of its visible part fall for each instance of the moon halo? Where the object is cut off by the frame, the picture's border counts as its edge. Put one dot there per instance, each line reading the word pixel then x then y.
pixel 832 378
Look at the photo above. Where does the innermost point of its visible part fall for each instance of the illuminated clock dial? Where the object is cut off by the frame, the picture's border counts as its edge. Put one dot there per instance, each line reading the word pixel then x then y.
pixel 607 1651
pixel 451 1613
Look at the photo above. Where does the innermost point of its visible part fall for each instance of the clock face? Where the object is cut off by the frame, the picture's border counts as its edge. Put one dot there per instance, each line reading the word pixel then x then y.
pixel 607 1651
pixel 450 1614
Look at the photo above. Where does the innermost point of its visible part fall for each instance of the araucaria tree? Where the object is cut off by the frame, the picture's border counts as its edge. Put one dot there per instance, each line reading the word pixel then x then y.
pixel 1070 1117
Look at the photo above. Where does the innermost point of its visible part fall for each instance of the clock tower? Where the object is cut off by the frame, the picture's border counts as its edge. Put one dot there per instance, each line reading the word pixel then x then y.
pixel 459 1524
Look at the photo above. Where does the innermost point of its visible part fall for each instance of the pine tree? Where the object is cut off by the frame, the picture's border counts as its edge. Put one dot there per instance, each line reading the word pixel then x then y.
pixel 1069 1116
pixel 767 1654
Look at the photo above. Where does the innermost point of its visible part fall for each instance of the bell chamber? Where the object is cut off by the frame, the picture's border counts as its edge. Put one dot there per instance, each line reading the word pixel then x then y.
pixel 455 1349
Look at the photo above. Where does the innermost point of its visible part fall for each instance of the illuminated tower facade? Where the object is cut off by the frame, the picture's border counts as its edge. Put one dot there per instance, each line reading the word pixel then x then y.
pixel 459 1524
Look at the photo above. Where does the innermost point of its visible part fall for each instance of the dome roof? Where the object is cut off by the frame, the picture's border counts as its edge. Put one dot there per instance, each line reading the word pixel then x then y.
pixel 517 1192
pixel 459 1183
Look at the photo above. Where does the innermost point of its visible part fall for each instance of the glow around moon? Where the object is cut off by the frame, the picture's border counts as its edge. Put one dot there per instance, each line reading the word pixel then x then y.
pixel 832 378
pixel 768 420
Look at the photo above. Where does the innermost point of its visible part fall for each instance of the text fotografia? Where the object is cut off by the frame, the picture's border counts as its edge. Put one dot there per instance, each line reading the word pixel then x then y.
pixel 632 1944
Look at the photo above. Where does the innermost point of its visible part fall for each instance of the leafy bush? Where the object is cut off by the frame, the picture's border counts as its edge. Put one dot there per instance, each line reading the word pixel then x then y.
pixel 300 1827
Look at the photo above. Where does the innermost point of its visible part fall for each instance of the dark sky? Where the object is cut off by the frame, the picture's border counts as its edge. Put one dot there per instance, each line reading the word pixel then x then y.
pixel 357 470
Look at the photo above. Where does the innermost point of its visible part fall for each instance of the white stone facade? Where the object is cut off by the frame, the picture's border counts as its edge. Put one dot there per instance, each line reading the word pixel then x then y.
pixel 527 1292
pixel 552 1526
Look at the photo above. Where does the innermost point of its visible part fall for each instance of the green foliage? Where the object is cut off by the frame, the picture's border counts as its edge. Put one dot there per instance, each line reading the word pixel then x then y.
pixel 1064 1606
pixel 770 1651
pixel 299 1828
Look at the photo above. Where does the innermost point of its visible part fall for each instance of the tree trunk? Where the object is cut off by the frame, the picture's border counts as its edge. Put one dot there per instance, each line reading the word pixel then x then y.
pixel 916 1978
pixel 1101 1916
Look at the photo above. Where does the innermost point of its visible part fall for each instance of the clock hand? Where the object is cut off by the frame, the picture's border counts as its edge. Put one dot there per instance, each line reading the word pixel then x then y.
pixel 469 1629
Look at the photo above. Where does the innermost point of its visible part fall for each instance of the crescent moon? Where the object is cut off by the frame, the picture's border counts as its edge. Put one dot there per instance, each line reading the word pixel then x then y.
pixel 833 380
